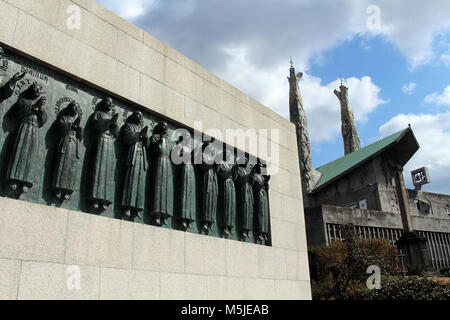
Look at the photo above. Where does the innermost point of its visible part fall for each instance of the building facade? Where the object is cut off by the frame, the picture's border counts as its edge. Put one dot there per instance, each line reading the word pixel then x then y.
pixel 362 188
pixel 64 240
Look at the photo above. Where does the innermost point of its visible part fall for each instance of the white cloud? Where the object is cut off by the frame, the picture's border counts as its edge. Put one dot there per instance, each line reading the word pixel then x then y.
pixel 323 108
pixel 248 43
pixel 413 25
pixel 274 30
pixel 321 105
pixel 130 9
pixel 409 88
pixel 442 99
pixel 433 134
pixel 445 58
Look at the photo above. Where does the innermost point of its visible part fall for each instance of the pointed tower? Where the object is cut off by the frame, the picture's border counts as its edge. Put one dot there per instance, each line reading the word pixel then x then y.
pixel 348 128
pixel 298 118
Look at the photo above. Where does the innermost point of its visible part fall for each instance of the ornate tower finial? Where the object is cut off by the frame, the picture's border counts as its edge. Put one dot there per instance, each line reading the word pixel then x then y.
pixel 309 176
pixel 292 62
pixel 348 127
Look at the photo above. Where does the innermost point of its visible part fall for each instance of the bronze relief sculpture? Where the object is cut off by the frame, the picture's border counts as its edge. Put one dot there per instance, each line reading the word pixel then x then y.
pixel 30 114
pixel 104 125
pixel 188 192
pixel 69 133
pixel 224 172
pixel 210 188
pixel 260 182
pixel 134 139
pixel 162 195
pixel 75 163
pixel 245 196
pixel 3 60
pixel 7 89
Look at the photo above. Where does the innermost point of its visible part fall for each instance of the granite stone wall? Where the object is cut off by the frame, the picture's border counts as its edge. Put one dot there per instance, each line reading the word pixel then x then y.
pixel 43 249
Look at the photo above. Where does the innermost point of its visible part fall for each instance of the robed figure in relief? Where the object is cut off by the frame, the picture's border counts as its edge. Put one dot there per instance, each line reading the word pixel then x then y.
pixel 187 197
pixel 228 195
pixel 69 134
pixel 133 137
pixel 260 183
pixel 162 182
pixel 7 89
pixel 30 114
pixel 210 187
pixel 106 130
pixel 245 196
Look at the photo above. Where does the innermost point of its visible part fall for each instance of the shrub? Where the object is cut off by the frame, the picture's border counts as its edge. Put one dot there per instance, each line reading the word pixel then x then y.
pixel 410 288
pixel 342 265
pixel 415 271
pixel 445 271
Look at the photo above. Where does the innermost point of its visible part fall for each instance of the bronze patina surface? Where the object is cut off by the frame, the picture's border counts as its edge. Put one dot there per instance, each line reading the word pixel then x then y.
pixel 65 144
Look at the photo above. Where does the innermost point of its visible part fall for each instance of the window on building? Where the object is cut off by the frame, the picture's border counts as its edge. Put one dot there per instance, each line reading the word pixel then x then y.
pixel 363 204
pixel 447 210
pixel 358 205
pixel 423 207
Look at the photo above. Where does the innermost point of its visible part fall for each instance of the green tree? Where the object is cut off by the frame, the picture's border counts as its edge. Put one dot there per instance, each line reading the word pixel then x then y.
pixel 343 264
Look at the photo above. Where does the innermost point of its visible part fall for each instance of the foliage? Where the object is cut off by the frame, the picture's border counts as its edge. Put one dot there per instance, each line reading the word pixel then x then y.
pixel 445 271
pixel 340 271
pixel 415 271
pixel 341 266
pixel 410 288
pixel 322 290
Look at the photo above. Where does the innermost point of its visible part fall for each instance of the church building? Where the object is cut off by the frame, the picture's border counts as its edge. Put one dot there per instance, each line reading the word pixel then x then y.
pixel 365 187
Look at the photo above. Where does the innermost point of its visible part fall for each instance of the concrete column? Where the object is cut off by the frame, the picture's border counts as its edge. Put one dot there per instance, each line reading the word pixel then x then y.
pixel 403 199
pixel 410 243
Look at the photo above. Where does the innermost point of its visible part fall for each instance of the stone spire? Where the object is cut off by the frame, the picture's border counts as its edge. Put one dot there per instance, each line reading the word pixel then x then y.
pixel 298 118
pixel 348 128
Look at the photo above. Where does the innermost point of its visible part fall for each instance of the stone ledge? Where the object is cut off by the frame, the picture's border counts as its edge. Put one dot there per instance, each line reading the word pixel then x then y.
pixel 291 290
pixel 124 284
pixel 9 278
pixel 8 25
pixel 45 280
pixel 99 241
pixel 158 249
pixel 73 237
pixel 31 231
pixel 205 255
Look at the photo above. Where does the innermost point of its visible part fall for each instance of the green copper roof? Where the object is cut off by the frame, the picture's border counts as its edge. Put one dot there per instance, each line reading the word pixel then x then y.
pixel 338 167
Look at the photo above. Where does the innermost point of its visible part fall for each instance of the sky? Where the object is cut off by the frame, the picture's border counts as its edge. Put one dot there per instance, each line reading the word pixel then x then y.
pixel 394 56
